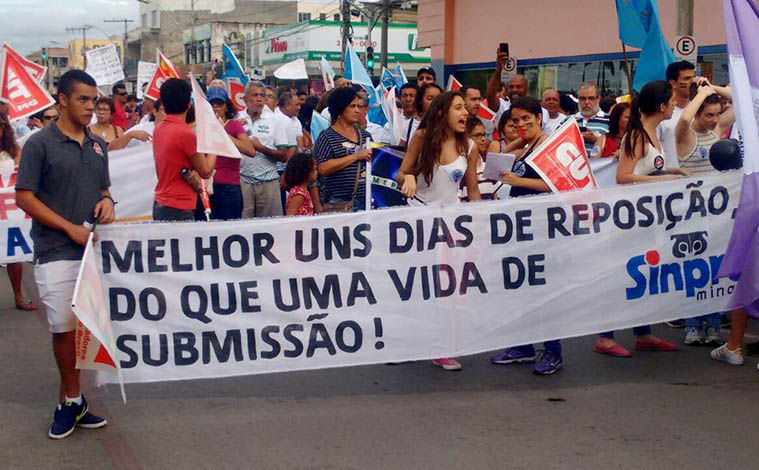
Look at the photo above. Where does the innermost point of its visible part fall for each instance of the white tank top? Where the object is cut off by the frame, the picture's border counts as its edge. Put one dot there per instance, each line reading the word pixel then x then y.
pixel 444 187
pixel 653 161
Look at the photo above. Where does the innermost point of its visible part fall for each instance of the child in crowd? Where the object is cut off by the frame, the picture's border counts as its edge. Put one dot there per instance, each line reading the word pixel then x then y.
pixel 299 173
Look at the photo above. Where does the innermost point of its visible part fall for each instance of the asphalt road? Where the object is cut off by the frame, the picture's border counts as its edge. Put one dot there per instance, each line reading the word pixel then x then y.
pixel 654 410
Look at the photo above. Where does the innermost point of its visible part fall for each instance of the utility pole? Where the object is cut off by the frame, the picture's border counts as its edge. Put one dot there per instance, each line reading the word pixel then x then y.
pixel 346 30
pixel 83 29
pixel 193 50
pixel 685 17
pixel 385 20
pixel 124 46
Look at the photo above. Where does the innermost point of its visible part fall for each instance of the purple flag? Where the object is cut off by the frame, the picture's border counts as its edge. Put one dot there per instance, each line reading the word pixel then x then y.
pixel 742 256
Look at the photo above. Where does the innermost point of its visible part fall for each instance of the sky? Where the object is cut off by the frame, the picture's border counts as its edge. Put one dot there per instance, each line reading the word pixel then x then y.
pixel 28 25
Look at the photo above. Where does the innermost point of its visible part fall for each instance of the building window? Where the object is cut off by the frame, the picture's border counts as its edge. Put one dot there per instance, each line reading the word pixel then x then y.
pixel 154 19
pixel 144 20
pixel 322 16
pixel 304 17
pixel 337 17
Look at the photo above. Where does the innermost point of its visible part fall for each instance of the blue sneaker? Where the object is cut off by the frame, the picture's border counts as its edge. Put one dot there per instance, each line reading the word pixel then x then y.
pixel 65 418
pixel 513 356
pixel 90 421
pixel 548 363
pixel 676 323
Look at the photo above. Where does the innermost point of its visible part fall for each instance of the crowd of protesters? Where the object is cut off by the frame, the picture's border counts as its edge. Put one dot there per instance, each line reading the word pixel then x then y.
pixel 664 133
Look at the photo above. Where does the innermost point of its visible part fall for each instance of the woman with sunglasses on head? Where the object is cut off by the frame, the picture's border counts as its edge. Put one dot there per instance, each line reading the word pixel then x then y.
pixel 527 115
pixel 10 156
pixel 438 158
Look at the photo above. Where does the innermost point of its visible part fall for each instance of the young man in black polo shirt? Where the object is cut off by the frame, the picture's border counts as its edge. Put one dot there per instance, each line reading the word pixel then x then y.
pixel 63 182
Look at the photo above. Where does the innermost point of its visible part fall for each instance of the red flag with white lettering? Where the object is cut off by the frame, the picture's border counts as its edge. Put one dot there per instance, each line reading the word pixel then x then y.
pixel 453 84
pixel 485 112
pixel 37 71
pixel 163 72
pixel 23 93
pixel 562 162
pixel 237 93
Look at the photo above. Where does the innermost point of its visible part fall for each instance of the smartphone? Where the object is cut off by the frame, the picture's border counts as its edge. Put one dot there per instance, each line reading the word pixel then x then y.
pixel 503 48
pixel 583 129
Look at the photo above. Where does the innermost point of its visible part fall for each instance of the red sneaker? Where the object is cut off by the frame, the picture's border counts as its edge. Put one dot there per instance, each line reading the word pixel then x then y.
pixel 615 351
pixel 660 345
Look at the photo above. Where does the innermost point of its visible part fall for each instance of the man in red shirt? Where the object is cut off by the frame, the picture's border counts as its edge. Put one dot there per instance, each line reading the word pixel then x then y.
pixel 175 148
pixel 119 99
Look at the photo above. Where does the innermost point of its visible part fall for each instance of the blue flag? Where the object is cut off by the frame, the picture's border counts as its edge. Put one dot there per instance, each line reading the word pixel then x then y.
pixel 356 73
pixel 318 124
pixel 639 27
pixel 401 76
pixel 232 67
pixel 385 190
pixel 387 78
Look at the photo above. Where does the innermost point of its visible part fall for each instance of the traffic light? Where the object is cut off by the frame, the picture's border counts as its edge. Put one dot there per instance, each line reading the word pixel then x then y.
pixel 44 53
pixel 370 57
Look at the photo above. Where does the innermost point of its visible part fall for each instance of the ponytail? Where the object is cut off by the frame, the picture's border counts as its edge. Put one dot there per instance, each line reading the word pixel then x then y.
pixel 647 103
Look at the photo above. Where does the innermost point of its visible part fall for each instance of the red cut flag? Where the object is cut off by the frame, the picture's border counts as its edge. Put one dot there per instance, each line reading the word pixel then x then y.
pixel 237 93
pixel 485 112
pixel 23 93
pixel 212 138
pixel 37 71
pixel 163 72
pixel 562 162
pixel 453 84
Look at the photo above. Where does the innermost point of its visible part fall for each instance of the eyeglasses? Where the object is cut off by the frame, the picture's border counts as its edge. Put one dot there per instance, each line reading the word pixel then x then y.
pixel 480 135
pixel 49 118
pixel 123 93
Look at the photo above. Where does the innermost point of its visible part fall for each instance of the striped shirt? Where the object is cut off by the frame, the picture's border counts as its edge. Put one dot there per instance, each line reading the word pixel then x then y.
pixel 339 185
pixel 698 160
pixel 598 124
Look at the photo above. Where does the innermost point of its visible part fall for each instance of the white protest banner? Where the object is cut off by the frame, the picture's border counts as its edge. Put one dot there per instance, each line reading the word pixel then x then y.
pixel 604 171
pixel 145 72
pixel 133 179
pixel 295 70
pixel 212 138
pixel 203 300
pixel 104 65
pixel 561 160
pixel 95 343
pixel 36 71
pixel 23 93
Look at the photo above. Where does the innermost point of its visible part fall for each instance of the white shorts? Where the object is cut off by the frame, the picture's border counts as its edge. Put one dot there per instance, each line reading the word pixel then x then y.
pixel 56 281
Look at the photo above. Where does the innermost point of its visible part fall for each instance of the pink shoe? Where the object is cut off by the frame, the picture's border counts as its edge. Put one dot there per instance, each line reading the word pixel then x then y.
pixel 447 363
pixel 657 346
pixel 615 351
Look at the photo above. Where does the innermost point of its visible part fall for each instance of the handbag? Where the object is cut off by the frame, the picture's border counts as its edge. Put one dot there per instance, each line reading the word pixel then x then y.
pixel 347 206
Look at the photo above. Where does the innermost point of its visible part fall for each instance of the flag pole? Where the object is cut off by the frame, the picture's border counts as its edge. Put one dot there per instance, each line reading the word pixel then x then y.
pixel 627 66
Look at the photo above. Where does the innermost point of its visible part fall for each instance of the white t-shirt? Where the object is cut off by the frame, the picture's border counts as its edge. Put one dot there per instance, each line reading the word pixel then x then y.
pixel 665 131
pixel 261 168
pixel 550 125
pixel 378 133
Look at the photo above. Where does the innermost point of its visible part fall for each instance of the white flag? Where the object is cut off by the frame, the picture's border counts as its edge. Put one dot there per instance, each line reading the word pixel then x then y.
pixel 212 138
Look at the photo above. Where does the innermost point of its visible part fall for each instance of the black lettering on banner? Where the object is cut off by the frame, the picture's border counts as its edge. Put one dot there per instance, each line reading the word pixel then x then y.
pixel 163 351
pixel 266 337
pixel 440 234
pixel 395 247
pixel 556 218
pixel 155 252
pixel 419 235
pixel 244 251
pixel 404 289
pixel 724 196
pixel 523 220
pixel 176 263
pixel 310 289
pixel 533 268
pixel 580 212
pixel 471 278
pixel 360 288
pixel 294 295
pixel 514 280
pixel 358 336
pixel 319 339
pixel 673 219
pixel 628 206
pixel 437 280
pixel 300 254
pixel 496 220
pixel 185 352
pixel 123 347
pixel 211 251
pixel 132 256
pixel 232 342
pixel 248 293
pixel 601 213
pixel 216 299
pixel 250 334
pixel 262 245
pixel 200 313
pixel 297 344
pixel 659 209
pixel 114 293
pixel 358 234
pixel 341 245
pixel 458 224
pixel 697 205
pixel 641 206
pixel 425 283
pixel 160 299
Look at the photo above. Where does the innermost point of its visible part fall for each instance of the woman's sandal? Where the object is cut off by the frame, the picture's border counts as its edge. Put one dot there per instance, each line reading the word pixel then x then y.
pixel 27 307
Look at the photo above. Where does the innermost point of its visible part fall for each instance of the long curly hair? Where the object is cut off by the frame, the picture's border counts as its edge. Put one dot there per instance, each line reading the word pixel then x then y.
pixel 298 168
pixel 435 126
pixel 8 142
